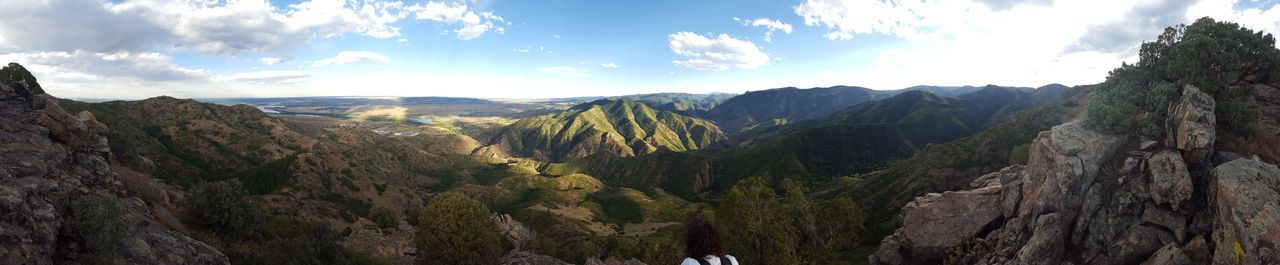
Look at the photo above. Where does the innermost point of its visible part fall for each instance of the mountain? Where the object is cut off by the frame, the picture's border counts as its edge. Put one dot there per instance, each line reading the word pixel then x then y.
pixel 869 136
pixel 858 139
pixel 784 105
pixel 946 91
pixel 63 201
pixel 614 127
pixel 680 102
pixel 954 164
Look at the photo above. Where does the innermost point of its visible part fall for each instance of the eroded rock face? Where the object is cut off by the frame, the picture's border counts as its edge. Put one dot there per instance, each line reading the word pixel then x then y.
pixel 1170 181
pixel 513 231
pixel 1246 197
pixel 1081 200
pixel 1192 124
pixel 48 159
pixel 936 222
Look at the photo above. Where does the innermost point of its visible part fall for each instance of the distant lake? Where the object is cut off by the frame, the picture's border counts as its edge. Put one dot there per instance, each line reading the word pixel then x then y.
pixel 423 120
pixel 268 110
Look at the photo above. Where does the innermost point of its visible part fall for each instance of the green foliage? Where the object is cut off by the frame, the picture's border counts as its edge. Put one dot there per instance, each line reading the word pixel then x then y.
pixel 1216 57
pixel 792 229
pixel 1240 117
pixel 385 218
pixel 222 207
pixel 1115 107
pixel 455 229
pixel 1020 154
pixel 269 177
pixel 289 241
pixel 100 222
pixel 756 230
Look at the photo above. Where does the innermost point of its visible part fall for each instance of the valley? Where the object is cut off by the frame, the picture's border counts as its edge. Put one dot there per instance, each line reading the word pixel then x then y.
pixel 1170 160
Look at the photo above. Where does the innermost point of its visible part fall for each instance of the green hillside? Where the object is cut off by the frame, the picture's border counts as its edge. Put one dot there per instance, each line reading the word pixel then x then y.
pixel 619 128
pixel 784 105
pixel 858 139
pixel 680 102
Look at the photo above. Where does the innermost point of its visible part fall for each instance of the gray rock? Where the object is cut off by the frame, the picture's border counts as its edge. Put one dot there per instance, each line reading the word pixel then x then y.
pixel 1168 255
pixel 937 223
pixel 514 231
pixel 50 158
pixel 1170 181
pixel 1192 121
pixel 1246 197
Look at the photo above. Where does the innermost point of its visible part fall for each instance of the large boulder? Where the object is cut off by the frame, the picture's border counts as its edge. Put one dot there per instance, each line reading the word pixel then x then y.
pixel 1246 198
pixel 513 231
pixel 1170 181
pixel 48 159
pixel 935 223
pixel 1191 124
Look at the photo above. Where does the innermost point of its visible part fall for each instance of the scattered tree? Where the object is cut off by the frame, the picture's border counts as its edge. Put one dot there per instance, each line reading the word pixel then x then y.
pixel 100 222
pixel 222 207
pixel 385 218
pixel 455 229
pixel 759 234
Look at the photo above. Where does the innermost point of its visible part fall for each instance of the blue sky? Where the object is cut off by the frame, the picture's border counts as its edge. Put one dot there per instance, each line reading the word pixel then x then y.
pixel 565 48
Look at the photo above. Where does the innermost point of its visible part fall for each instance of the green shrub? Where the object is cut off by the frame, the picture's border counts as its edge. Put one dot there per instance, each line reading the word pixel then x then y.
pixel 1020 154
pixel 455 229
pixel 1238 115
pixel 268 177
pixel 100 222
pixel 295 241
pixel 385 218
pixel 222 207
pixel 411 216
pixel 1114 108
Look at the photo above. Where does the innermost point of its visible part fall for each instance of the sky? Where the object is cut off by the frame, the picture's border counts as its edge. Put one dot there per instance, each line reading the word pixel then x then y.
pixel 133 49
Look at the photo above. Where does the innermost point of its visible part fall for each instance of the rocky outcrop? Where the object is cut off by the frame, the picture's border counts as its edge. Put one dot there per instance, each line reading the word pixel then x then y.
pixel 49 159
pixel 1191 124
pixel 1170 181
pixel 1090 198
pixel 513 231
pixel 1246 198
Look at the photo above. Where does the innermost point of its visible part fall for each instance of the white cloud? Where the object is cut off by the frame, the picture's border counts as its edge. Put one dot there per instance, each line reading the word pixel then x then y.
pixel 561 70
pixel 227 27
pixel 609 65
pixel 1007 42
pixel 354 57
pixel 770 24
pixel 269 61
pixel 268 77
pixel 523 50
pixel 83 65
pixel 472 24
pixel 720 53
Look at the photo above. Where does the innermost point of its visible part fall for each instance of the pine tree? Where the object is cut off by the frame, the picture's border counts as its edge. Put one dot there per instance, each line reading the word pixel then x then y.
pixel 756 225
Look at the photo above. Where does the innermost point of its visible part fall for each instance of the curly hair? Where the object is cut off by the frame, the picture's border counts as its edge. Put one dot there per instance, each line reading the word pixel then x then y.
pixel 701 239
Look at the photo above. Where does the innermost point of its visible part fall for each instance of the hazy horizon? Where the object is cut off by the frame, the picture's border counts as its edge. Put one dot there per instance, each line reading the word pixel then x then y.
pixel 131 49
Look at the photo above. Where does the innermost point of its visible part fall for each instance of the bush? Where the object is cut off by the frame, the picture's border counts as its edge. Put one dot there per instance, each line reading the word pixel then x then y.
pixel 295 241
pixel 222 207
pixel 1113 108
pixel 455 229
pixel 757 233
pixel 100 222
pixel 385 218
pixel 1020 154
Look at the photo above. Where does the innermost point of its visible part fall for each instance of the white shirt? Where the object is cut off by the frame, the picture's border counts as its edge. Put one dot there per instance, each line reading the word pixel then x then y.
pixel 713 260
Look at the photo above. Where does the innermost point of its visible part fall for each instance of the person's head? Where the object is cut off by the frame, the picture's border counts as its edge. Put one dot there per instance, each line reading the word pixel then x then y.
pixel 701 238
